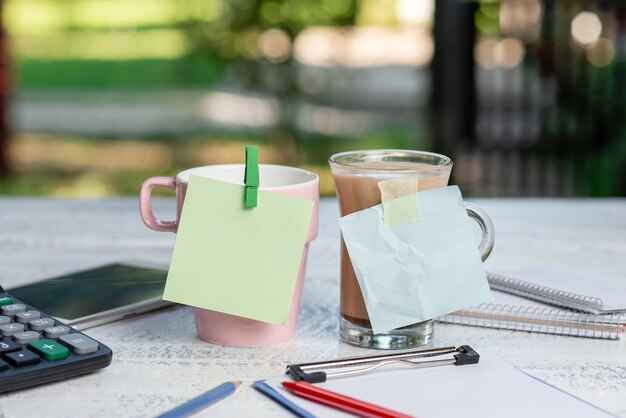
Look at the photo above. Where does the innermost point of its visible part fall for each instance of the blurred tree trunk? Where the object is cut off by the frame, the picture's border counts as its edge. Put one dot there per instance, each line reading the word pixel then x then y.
pixel 454 87
pixel 6 82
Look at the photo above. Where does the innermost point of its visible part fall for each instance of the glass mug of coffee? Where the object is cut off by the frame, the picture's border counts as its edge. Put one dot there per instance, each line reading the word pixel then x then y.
pixel 356 175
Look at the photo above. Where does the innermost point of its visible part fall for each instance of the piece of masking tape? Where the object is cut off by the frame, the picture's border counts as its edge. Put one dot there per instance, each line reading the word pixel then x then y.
pixel 399 201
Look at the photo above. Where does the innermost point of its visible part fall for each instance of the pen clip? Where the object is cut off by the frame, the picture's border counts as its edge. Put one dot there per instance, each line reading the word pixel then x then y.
pixel 462 355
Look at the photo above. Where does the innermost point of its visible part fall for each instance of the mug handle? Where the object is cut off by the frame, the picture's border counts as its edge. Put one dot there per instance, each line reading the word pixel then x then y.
pixel 486 227
pixel 145 208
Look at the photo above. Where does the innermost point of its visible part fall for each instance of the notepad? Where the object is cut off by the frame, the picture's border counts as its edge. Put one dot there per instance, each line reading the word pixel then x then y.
pixel 564 288
pixel 512 312
pixel 491 388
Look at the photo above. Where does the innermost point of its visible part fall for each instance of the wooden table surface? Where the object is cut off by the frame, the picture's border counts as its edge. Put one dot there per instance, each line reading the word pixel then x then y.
pixel 159 362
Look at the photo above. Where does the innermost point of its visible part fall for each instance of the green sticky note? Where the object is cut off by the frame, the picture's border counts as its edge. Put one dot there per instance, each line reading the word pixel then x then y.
pixel 234 260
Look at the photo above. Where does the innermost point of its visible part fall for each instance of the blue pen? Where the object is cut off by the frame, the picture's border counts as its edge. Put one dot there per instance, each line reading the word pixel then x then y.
pixel 202 401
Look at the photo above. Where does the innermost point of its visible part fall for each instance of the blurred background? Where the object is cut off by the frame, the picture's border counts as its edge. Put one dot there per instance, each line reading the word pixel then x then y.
pixel 527 96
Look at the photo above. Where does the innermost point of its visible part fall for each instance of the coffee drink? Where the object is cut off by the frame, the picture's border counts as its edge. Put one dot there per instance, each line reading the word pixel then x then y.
pixel 360 191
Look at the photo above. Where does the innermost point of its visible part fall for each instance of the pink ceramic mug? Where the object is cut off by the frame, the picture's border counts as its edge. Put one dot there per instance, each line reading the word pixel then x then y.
pixel 226 329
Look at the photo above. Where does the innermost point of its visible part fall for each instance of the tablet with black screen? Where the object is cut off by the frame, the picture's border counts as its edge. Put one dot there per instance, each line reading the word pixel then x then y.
pixel 100 295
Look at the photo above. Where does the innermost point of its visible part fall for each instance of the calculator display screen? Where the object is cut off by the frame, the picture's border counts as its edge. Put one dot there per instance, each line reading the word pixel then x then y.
pixel 92 291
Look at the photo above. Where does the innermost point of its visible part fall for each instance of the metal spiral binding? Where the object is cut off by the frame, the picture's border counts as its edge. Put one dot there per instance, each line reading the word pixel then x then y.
pixel 545 294
pixel 542 320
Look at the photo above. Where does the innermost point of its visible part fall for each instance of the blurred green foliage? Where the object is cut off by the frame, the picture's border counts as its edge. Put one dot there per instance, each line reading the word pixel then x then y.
pixel 235 34
pixel 487 18
pixel 191 71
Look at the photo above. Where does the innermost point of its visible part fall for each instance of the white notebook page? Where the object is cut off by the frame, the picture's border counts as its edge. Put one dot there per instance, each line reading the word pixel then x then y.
pixel 611 291
pixel 491 388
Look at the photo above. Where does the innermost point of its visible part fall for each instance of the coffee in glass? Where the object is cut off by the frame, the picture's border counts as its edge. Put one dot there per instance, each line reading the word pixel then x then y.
pixel 356 175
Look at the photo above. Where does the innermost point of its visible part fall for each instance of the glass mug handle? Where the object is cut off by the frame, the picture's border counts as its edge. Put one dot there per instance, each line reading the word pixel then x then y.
pixel 145 207
pixel 486 227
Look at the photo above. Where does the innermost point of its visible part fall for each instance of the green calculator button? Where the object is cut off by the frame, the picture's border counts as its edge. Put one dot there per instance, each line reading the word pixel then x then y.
pixel 49 349
pixel 5 300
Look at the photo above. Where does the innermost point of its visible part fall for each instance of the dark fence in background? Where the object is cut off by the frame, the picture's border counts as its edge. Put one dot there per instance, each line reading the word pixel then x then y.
pixel 5 90
pixel 555 125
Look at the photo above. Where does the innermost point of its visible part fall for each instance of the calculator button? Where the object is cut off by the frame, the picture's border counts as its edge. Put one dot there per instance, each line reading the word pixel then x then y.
pixel 5 320
pixel 24 317
pixel 13 309
pixel 50 350
pixel 56 332
pixel 3 365
pixel 22 358
pixel 79 343
pixel 5 300
pixel 9 345
pixel 11 329
pixel 41 324
pixel 26 337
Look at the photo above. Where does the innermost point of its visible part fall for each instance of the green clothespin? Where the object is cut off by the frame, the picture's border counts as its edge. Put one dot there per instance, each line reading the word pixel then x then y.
pixel 251 178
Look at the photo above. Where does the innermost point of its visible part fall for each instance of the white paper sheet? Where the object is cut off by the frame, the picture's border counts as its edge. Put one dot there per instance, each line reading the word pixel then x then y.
pixel 491 388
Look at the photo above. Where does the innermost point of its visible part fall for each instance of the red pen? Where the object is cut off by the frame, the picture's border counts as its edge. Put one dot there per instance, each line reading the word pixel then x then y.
pixel 342 402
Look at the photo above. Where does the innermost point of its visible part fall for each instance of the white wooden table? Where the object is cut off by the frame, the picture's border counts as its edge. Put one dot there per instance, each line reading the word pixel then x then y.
pixel 159 362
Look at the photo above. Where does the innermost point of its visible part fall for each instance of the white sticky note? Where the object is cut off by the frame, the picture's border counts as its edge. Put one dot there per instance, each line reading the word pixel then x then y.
pixel 420 270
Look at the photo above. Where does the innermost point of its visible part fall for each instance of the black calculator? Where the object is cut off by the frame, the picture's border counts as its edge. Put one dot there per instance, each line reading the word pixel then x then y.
pixel 36 348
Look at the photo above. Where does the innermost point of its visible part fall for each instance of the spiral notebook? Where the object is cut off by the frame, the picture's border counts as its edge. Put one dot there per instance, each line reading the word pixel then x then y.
pixel 563 288
pixel 512 312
